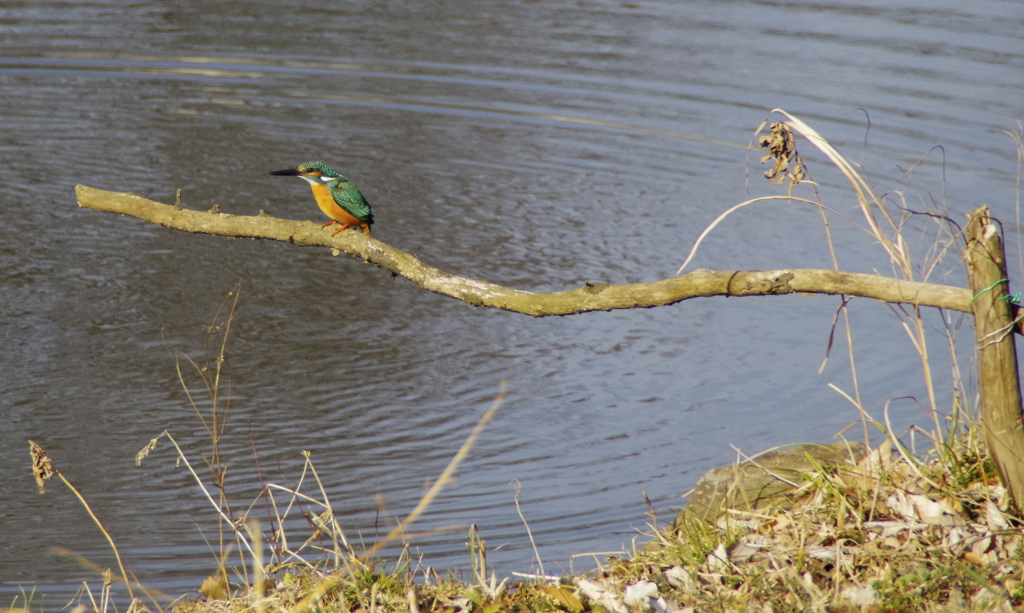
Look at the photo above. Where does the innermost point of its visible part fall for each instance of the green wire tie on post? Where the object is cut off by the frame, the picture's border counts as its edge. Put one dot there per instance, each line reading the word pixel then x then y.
pixel 1011 299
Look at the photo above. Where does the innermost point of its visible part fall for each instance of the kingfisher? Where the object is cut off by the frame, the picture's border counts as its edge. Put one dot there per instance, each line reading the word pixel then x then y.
pixel 337 196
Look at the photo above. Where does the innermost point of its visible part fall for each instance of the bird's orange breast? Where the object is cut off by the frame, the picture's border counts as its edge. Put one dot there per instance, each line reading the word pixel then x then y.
pixel 326 202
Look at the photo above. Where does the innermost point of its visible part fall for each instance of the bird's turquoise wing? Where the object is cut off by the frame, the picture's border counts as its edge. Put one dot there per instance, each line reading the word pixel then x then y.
pixel 352 200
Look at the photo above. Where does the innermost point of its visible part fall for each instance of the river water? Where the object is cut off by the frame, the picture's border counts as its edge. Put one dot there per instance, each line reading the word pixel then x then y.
pixel 533 144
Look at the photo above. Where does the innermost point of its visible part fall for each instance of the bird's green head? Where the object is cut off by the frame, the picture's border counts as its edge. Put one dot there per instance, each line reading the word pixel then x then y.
pixel 314 172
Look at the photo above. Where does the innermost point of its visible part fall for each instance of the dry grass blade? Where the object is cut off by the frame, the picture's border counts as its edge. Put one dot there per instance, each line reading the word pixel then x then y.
pixel 239 533
pixel 43 469
pixel 442 480
pixel 529 533
pixel 333 581
pixel 870 203
pixel 730 211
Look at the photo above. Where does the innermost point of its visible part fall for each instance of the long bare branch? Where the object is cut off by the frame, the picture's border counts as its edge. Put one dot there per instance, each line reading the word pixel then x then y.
pixel 590 297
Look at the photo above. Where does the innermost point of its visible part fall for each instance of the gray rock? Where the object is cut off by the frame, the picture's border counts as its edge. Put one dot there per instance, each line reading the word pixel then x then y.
pixel 765 481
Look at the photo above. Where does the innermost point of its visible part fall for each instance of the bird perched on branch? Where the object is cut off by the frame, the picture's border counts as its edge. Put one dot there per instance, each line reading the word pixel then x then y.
pixel 336 196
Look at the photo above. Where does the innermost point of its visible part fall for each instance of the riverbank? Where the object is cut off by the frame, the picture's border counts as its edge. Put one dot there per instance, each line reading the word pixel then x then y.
pixel 890 532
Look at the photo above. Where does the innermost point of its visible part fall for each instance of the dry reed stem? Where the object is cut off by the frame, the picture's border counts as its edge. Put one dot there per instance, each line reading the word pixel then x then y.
pixel 44 469
pixel 334 580
pixel 202 487
pixel 730 211
pixel 895 246
pixel 517 488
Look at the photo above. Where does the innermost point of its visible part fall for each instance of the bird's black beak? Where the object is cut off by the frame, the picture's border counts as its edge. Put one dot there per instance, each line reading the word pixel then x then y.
pixel 287 172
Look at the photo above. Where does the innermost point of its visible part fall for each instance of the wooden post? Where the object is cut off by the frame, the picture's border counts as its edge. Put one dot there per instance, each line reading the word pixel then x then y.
pixel 994 329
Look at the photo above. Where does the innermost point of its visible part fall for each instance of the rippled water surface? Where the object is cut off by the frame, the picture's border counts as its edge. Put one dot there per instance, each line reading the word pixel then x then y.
pixel 535 144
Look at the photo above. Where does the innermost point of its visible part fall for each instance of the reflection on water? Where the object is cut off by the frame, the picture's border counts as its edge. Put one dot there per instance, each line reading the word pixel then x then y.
pixel 536 145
